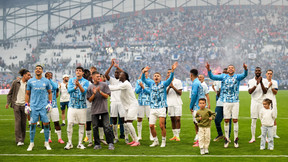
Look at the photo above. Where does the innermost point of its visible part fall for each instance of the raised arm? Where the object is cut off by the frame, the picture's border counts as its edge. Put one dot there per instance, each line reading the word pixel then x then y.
pixel 109 69
pixel 211 76
pixel 169 80
pixel 244 74
pixel 143 78
pixel 194 93
pixel 137 87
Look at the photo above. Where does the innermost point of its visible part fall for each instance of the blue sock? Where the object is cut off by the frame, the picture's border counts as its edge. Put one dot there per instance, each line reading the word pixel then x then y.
pixel 46 132
pixel 32 132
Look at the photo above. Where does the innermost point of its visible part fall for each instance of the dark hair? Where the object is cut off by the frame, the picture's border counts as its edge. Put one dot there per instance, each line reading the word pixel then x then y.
pixel 93 67
pixel 95 72
pixel 258 67
pixel 231 65
pixel 80 67
pixel 39 66
pixel 169 69
pixel 157 73
pixel 86 74
pixel 202 99
pixel 225 69
pixel 47 74
pixel 194 72
pixel 267 100
pixel 126 76
pixel 23 72
pixel 269 70
pixel 142 68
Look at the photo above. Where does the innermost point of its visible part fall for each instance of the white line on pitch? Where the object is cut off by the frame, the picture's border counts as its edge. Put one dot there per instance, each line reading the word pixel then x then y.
pixel 93 155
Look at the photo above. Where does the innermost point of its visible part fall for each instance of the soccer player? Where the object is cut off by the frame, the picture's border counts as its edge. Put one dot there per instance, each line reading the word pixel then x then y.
pixel 144 103
pixel 129 102
pixel 229 95
pixel 77 88
pixel 205 89
pixel 257 90
pixel 64 97
pixel 116 106
pixel 174 102
pixel 16 100
pixel 54 113
pixel 204 117
pixel 272 89
pixel 97 94
pixel 195 94
pixel 36 93
pixel 158 102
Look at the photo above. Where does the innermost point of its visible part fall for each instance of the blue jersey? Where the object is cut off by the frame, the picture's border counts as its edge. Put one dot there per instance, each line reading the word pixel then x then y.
pixel 38 89
pixel 143 94
pixel 229 85
pixel 77 98
pixel 54 87
pixel 158 94
pixel 197 92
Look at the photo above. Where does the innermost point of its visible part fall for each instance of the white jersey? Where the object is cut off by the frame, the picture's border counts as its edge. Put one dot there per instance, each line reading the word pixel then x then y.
pixel 127 95
pixel 205 89
pixel 173 99
pixel 269 93
pixel 64 95
pixel 258 94
pixel 115 95
pixel 217 85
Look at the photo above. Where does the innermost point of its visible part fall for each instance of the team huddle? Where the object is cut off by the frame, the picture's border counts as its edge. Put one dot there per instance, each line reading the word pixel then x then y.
pixel 86 97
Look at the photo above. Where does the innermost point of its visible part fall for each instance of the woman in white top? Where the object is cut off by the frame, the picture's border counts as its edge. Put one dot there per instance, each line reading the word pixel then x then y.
pixel 129 103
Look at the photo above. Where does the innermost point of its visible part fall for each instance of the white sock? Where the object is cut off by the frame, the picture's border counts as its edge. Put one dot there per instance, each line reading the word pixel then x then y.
pixel 226 129
pixel 29 122
pixel 70 132
pixel 174 132
pixel 133 132
pixel 50 135
pixel 59 134
pixel 89 135
pixel 253 128
pixel 163 138
pixel 101 133
pixel 63 121
pixel 274 130
pixel 38 123
pixel 115 131
pixel 126 130
pixel 81 133
pixel 155 139
pixel 139 129
pixel 178 133
pixel 236 128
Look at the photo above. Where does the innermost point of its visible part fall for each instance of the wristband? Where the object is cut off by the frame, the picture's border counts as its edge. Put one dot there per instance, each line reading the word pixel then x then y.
pixel 26 104
pixel 50 102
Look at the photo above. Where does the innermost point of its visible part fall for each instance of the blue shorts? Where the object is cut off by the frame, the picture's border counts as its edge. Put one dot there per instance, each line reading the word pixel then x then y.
pixel 35 114
pixel 63 105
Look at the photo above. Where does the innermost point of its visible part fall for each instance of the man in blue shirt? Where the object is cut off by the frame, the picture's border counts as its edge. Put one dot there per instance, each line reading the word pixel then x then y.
pixel 195 95
pixel 144 103
pixel 77 88
pixel 229 95
pixel 158 102
pixel 36 101
pixel 54 114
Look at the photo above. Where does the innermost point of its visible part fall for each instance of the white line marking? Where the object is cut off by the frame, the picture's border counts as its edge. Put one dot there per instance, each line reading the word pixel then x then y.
pixel 163 156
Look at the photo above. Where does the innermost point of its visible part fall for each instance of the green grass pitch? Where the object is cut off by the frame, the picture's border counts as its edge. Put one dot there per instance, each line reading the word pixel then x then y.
pixel 184 147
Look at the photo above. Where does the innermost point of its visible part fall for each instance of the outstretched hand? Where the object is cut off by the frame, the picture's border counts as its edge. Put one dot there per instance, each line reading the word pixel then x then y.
pixel 147 68
pixel 207 66
pixel 245 66
pixel 113 61
pixel 174 66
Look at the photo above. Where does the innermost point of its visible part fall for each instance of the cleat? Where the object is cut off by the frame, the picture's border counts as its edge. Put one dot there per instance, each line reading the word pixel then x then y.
pixel 30 147
pixel 50 141
pixel 103 141
pixel 196 137
pixel 135 144
pixel 218 138
pixel 173 138
pixel 252 141
pixel 60 141
pixel 63 124
pixel 126 141
pixel 226 143
pixel 97 147
pixel 155 143
pixel 196 144
pixel 90 144
pixel 139 138
pixel 276 136
pixel 259 136
pixel 116 141
pixel 131 143
pixel 177 139
pixel 163 144
pixel 81 146
pixel 270 148
pixel 47 146
pixel 202 152
pixel 68 146
pixel 206 151
pixel 111 146
pixel 85 139
pixel 261 148
pixel 42 131
pixel 122 136
pixel 236 145
pixel 20 144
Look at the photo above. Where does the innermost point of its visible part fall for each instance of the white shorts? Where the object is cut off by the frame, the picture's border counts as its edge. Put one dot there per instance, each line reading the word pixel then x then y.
pixel 117 108
pixel 156 113
pixel 53 115
pixel 255 109
pixel 175 111
pixel 88 114
pixel 194 116
pixel 231 110
pixel 131 113
pixel 142 110
pixel 77 116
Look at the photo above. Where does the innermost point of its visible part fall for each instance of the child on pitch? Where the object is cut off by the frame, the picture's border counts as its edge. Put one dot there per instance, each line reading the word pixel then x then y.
pixel 204 117
pixel 267 117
